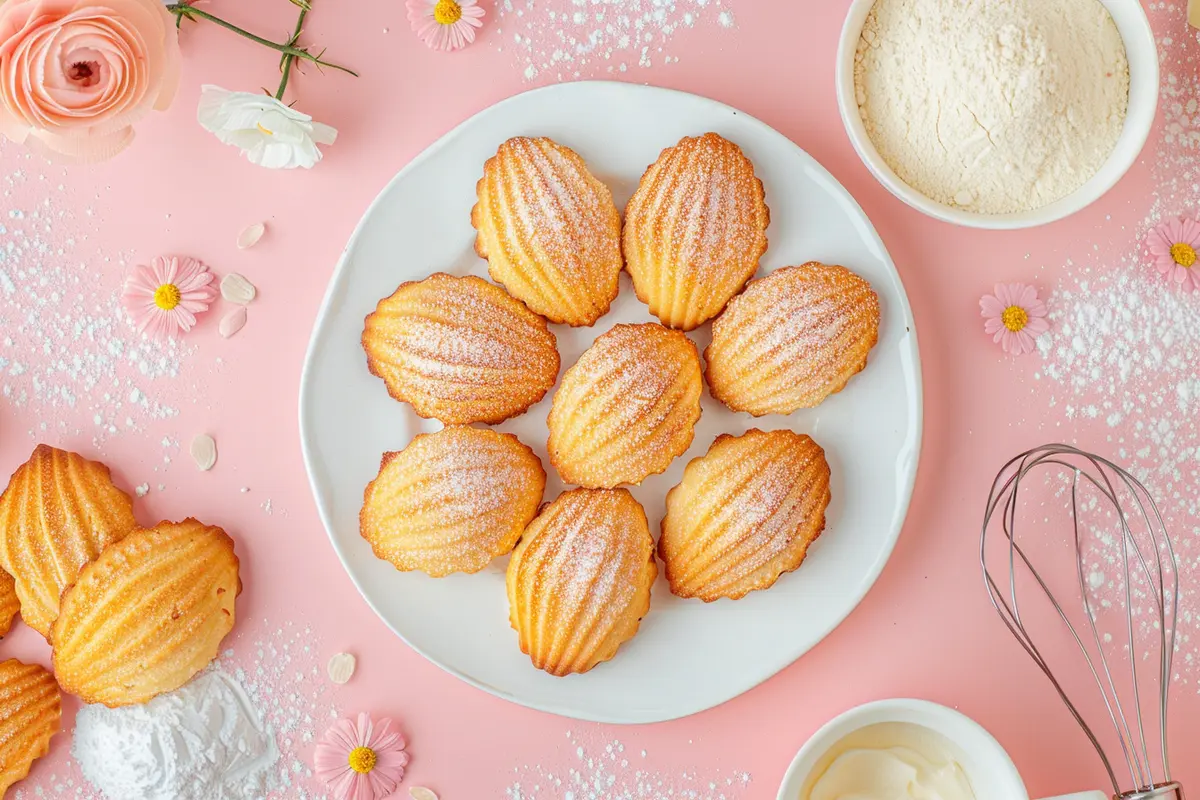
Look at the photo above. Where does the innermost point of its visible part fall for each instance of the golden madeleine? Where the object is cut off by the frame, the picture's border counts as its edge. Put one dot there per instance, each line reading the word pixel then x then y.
pixel 549 230
pixel 579 581
pixel 10 605
pixel 744 514
pixel 451 501
pixel 695 230
pixel 627 408
pixel 792 339
pixel 30 710
pixel 147 615
pixel 460 350
pixel 58 512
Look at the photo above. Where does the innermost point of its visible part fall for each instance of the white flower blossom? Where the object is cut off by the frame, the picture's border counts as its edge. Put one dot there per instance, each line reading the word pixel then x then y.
pixel 268 132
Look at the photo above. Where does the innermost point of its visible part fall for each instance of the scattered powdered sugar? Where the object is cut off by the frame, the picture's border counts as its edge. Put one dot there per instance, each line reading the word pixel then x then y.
pixel 604 772
pixel 273 701
pixel 1123 355
pixel 66 348
pixel 588 38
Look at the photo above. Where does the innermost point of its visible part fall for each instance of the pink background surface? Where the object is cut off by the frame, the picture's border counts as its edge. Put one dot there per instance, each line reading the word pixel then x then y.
pixel 926 630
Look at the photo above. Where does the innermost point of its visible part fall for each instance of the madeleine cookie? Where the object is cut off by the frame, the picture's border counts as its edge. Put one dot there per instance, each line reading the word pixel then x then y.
pixel 460 350
pixel 9 604
pixel 744 514
pixel 549 230
pixel 147 615
pixel 792 339
pixel 579 581
pixel 30 710
pixel 694 230
pixel 58 512
pixel 452 501
pixel 627 408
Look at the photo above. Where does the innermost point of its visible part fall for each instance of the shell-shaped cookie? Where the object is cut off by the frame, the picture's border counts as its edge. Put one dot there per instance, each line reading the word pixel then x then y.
pixel 147 615
pixel 451 501
pixel 10 605
pixel 579 581
pixel 792 339
pixel 744 514
pixel 695 230
pixel 549 230
pixel 30 709
pixel 58 512
pixel 460 350
pixel 627 408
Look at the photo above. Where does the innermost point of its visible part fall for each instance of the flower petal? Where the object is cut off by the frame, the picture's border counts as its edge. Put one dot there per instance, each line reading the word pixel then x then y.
pixel 1028 296
pixel 1037 326
pixel 990 306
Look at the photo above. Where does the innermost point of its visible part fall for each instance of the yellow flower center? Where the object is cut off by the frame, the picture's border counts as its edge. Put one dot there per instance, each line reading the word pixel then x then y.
pixel 447 12
pixel 1015 318
pixel 1184 254
pixel 362 759
pixel 267 131
pixel 167 296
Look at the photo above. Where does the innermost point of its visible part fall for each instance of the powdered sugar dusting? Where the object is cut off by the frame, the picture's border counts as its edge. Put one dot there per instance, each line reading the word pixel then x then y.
pixel 66 348
pixel 1123 356
pixel 281 673
pixel 603 770
pixel 590 38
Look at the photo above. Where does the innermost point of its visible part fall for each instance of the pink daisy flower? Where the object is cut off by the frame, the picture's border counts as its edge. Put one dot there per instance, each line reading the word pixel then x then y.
pixel 1175 245
pixel 1014 316
pixel 164 298
pixel 361 760
pixel 445 24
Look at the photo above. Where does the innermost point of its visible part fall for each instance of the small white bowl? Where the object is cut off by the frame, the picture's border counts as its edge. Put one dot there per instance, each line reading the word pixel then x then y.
pixel 1142 52
pixel 992 773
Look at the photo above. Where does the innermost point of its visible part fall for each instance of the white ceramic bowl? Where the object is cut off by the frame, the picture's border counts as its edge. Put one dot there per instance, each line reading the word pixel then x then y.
pixel 1142 52
pixel 992 773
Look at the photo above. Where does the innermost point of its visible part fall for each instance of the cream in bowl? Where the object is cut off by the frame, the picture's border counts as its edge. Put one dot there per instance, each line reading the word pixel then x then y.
pixel 905 750
pixel 997 114
pixel 890 761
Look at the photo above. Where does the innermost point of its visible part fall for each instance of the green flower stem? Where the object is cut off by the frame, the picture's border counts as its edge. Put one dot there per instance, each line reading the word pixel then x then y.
pixel 181 10
pixel 285 64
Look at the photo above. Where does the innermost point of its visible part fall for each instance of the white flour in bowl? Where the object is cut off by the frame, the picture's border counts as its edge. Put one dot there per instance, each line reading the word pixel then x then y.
pixel 994 106
pixel 205 741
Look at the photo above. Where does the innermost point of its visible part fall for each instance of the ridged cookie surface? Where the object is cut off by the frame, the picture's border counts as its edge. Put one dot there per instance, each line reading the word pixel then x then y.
pixel 744 514
pixel 792 339
pixel 549 230
pixel 147 615
pixel 579 581
pixel 10 605
pixel 627 408
pixel 694 230
pixel 460 350
pixel 451 501
pixel 30 710
pixel 58 512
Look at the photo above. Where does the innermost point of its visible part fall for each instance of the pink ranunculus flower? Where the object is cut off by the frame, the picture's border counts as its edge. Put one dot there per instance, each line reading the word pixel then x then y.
pixel 76 75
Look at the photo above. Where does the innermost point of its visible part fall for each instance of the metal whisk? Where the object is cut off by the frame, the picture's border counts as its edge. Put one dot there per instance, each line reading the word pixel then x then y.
pixel 1148 559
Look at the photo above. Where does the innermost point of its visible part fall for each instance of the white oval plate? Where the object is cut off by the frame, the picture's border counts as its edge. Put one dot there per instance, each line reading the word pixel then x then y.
pixel 688 656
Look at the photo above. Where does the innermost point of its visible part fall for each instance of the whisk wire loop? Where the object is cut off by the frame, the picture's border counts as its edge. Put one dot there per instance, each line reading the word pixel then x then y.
pixel 1112 484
